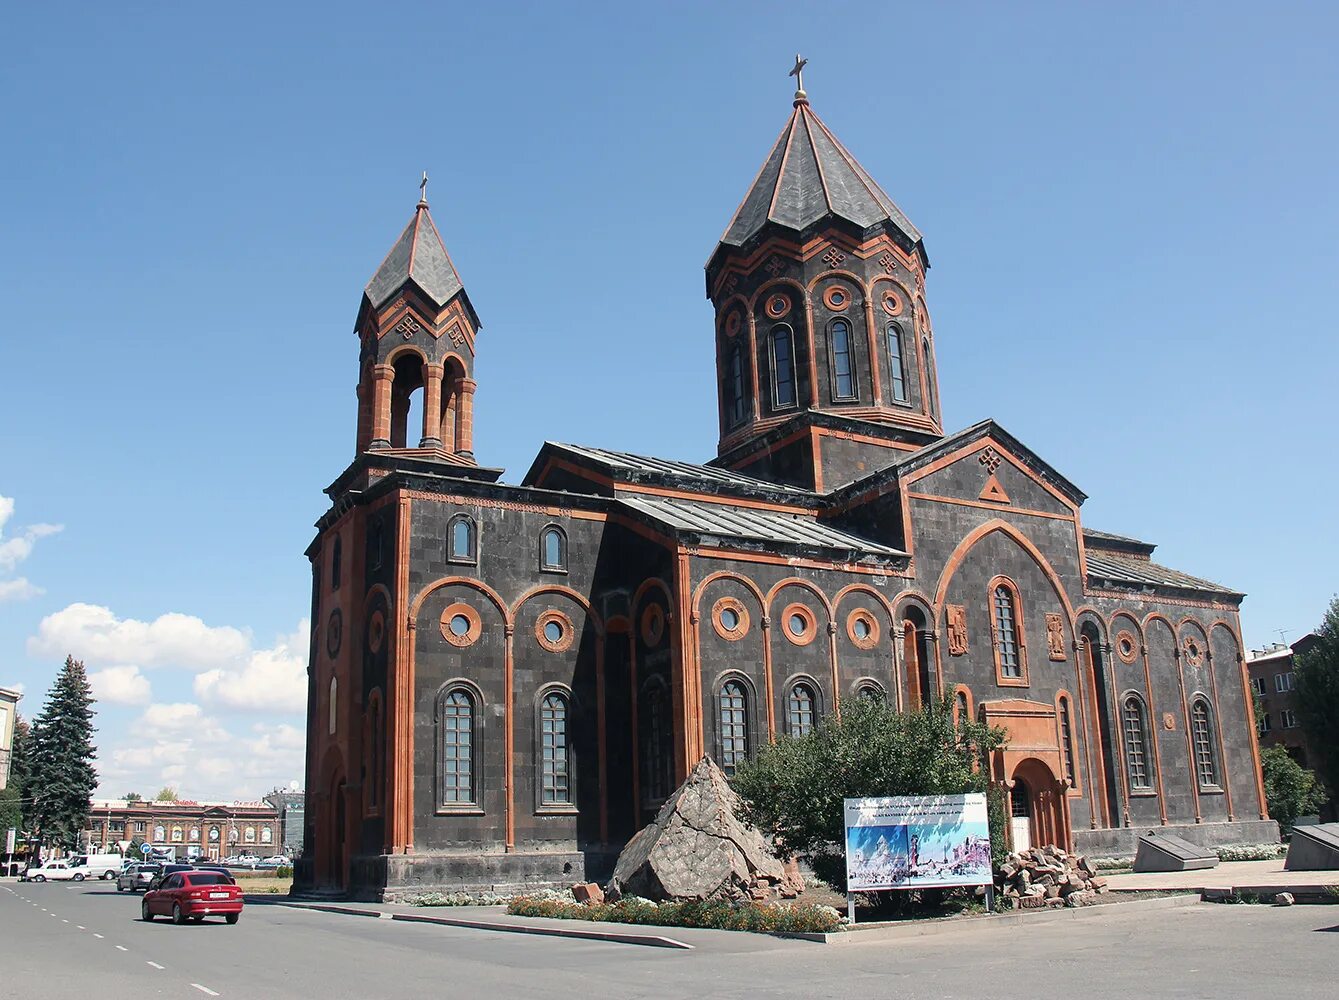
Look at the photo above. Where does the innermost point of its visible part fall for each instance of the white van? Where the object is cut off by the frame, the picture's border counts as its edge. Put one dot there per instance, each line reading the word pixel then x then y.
pixel 96 865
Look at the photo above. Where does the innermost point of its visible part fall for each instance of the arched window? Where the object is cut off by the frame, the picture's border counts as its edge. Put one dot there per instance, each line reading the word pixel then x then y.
pixel 734 725
pixel 195 835
pixel 655 756
pixel 266 836
pixel 455 724
pixel 962 709
pixel 377 543
pixel 783 367
pixel 159 834
pixel 869 691
pixel 897 367
pixel 336 563
pixel 734 388
pixel 176 835
pixel 556 787
pixel 1007 634
pixel 1201 730
pixel 802 709
pixel 1136 743
pixel 931 385
pixel 1066 740
pixel 461 539
pixel 250 835
pixel 233 835
pixel 843 374
pixel 334 704
pixel 553 549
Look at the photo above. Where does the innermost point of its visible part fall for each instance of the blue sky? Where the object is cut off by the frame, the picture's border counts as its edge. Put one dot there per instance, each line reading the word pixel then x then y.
pixel 1130 214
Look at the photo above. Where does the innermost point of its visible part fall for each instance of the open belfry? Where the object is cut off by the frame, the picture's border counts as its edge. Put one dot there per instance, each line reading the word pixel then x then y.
pixel 506 681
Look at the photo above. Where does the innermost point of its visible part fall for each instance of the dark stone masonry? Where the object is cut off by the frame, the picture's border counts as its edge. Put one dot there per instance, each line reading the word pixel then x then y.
pixel 507 681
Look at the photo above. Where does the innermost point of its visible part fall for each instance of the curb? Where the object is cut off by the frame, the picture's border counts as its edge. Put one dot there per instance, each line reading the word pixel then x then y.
pixel 871 933
pixel 613 937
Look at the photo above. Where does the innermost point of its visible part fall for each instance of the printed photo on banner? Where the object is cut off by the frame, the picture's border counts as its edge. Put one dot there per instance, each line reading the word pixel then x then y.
pixel 917 842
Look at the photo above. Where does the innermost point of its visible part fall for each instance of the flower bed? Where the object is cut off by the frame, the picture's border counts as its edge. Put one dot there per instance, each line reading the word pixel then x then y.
pixel 748 916
pixel 1251 852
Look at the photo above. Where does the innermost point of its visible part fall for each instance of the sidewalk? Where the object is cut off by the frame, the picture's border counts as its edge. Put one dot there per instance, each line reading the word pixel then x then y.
pixel 1259 877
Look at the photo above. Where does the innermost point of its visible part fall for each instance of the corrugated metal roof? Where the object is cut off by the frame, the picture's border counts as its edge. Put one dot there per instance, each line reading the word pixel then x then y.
pixel 807 176
pixel 745 523
pixel 1140 573
pixel 645 465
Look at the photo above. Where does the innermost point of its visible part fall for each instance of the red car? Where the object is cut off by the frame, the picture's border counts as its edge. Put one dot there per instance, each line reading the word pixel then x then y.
pixel 194 895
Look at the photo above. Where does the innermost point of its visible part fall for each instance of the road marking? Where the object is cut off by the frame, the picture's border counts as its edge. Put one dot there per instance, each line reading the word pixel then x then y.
pixel 64 921
pixel 81 927
pixel 155 965
pixel 121 947
pixel 204 989
pixel 96 934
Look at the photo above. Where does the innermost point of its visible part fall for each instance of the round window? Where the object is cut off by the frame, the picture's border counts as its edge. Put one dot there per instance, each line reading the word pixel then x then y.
pixel 553 631
pixel 796 624
pixel 460 625
pixel 730 619
pixel 861 628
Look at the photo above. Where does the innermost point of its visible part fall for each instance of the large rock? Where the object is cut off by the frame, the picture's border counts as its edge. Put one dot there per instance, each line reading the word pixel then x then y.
pixel 698 848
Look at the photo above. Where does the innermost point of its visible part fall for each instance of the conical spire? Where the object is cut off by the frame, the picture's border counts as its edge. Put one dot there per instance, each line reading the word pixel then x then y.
pixel 419 254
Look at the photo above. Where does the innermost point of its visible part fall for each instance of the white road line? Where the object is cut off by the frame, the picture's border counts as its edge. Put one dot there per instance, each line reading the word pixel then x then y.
pixel 81 927
pixel 204 989
pixel 96 934
pixel 63 920
pixel 121 947
pixel 155 965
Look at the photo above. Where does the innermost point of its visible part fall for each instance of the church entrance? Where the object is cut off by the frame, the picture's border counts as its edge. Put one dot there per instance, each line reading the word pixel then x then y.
pixel 1020 808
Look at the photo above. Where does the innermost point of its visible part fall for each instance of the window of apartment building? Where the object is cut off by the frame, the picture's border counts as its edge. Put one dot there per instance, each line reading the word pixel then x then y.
pixel 1265 725
pixel 1283 682
pixel 1258 685
pixel 118 826
pixel 1288 718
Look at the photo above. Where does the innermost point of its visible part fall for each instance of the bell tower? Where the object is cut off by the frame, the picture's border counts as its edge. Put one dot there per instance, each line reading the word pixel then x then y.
pixel 822 332
pixel 417 331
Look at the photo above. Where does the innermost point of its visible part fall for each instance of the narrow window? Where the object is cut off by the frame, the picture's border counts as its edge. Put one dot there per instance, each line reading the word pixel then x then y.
pixel 1202 732
pixel 801 710
pixel 1136 759
pixel 1006 633
pixel 336 563
pixel 734 389
pixel 961 711
pixel 896 366
pixel 334 700
pixel 931 384
pixel 841 360
pixel 655 762
pixel 1067 742
pixel 783 367
pixel 557 781
pixel 378 543
pixel 457 726
pixel 460 539
pixel 553 549
pixel 734 726
pixel 1265 725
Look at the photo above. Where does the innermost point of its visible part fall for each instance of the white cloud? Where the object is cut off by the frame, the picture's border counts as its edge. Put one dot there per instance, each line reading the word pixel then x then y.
pixel 94 633
pixel 15 550
pixel 268 680
pixel 123 685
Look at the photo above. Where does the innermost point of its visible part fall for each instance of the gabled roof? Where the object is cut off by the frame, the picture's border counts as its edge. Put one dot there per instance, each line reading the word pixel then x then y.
pixel 626 467
pixel 808 176
pixel 711 522
pixel 1104 568
pixel 1121 544
pixel 418 255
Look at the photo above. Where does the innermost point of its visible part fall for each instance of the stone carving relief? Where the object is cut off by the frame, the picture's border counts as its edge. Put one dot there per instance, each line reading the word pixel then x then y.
pixel 957 629
pixel 1055 635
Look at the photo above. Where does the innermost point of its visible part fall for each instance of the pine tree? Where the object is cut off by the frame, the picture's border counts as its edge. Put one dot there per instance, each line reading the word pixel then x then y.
pixel 61 777
pixel 12 807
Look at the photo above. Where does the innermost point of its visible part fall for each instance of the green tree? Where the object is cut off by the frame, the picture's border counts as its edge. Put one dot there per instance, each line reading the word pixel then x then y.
pixel 20 762
pixel 1317 684
pixel 11 811
pixel 794 788
pixel 1290 789
pixel 61 778
pixel 166 794
pixel 133 797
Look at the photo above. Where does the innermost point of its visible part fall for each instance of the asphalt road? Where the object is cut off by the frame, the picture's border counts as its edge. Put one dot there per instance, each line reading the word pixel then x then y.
pixel 65 941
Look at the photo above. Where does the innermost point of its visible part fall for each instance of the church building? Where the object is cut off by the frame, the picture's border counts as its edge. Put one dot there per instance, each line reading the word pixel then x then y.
pixel 506 681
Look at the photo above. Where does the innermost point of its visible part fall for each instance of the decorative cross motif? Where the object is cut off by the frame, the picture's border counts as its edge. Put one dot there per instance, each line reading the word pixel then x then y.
pixel 990 458
pixel 423 189
pixel 776 265
pixel 407 327
pixel 887 262
pixel 833 257
pixel 732 282
pixel 456 334
pixel 798 73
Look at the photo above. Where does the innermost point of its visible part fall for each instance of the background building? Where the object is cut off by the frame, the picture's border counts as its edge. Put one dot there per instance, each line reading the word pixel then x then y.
pixel 290 804
pixel 186 828
pixel 9 709
pixel 1272 683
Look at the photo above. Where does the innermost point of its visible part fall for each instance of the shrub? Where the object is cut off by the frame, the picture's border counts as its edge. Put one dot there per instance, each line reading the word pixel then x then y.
pixel 794 788
pixel 1251 852
pixel 284 871
pixel 1290 789
pixel 455 899
pixel 717 915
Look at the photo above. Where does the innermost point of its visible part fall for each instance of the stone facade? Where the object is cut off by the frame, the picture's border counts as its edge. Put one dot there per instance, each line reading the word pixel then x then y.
pixel 508 680
pixel 186 828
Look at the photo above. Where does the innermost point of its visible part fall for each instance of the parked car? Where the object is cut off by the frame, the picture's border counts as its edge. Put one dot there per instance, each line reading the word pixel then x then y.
pixel 210 866
pixel 166 870
pixel 56 871
pixel 193 895
pixel 97 865
pixel 137 875
pixel 277 860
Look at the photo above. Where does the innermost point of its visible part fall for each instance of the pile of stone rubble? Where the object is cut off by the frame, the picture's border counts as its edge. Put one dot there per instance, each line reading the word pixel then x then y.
pixel 1047 876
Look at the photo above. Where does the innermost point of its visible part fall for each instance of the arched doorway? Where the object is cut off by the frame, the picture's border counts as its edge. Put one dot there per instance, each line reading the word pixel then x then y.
pixel 918 659
pixel 338 862
pixel 1106 799
pixel 1020 815
pixel 1038 813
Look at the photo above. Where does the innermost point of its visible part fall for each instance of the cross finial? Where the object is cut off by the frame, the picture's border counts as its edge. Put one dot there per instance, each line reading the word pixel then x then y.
pixel 423 189
pixel 798 73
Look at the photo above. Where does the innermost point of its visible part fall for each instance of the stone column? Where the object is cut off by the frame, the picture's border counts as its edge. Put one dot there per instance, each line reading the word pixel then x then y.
pixel 432 407
pixel 384 379
pixel 465 418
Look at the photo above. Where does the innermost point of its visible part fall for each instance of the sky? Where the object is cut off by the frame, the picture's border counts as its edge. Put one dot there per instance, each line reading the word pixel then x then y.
pixel 1129 211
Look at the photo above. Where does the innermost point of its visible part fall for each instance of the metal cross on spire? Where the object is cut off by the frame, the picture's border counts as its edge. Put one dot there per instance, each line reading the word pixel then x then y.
pixel 798 73
pixel 423 189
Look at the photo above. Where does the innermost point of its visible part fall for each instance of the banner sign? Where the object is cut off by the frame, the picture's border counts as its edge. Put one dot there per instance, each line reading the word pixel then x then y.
pixel 917 842
pixel 10 840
